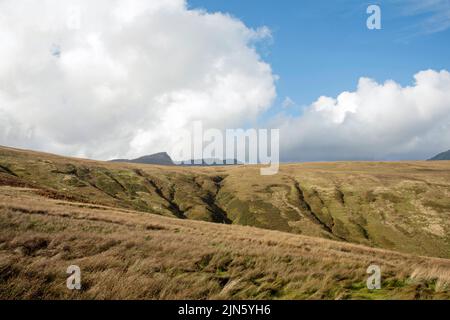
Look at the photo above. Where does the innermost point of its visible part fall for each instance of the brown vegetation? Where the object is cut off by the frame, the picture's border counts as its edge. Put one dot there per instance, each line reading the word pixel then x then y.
pixel 131 230
pixel 133 255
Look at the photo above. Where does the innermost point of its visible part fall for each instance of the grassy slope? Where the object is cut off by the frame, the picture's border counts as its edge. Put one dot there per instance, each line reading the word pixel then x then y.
pixel 401 206
pixel 133 255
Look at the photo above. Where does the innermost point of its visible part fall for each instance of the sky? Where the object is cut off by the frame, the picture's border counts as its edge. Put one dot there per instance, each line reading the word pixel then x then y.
pixel 323 47
pixel 119 79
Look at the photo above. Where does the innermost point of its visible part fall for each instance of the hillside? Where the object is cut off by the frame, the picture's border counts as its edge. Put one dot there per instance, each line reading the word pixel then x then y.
pixel 402 206
pixel 125 254
pixel 441 156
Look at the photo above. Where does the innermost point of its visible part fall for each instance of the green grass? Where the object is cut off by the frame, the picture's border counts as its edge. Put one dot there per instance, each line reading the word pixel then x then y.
pixel 402 206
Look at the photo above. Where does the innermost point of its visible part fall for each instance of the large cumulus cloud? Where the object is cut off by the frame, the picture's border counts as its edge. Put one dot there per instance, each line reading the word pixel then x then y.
pixel 110 78
pixel 123 78
pixel 376 122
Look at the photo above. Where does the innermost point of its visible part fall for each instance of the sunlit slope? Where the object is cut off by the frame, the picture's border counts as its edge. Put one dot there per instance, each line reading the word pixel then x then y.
pixel 124 254
pixel 403 206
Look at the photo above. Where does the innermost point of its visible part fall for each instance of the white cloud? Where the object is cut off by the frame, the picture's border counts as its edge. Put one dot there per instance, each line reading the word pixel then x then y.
pixel 377 121
pixel 111 78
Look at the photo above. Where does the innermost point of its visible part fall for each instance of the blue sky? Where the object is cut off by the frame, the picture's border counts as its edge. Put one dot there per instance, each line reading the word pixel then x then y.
pixel 323 47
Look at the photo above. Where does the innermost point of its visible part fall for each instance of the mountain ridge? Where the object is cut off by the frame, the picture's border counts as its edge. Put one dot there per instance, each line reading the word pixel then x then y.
pixel 161 158
pixel 441 156
pixel 209 162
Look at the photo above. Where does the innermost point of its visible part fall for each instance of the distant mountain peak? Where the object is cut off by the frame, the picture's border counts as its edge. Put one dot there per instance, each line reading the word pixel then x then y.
pixel 161 158
pixel 208 162
pixel 441 156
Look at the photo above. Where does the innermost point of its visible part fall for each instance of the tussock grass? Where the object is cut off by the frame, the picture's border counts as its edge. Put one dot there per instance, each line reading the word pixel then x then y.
pixel 126 254
pixel 401 206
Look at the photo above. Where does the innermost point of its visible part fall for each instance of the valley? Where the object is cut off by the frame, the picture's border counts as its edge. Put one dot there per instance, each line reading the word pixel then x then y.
pixel 157 232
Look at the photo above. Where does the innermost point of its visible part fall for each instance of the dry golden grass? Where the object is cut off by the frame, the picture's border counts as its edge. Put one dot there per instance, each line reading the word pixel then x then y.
pixel 125 254
pixel 116 221
pixel 400 206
